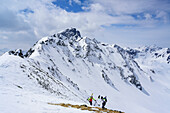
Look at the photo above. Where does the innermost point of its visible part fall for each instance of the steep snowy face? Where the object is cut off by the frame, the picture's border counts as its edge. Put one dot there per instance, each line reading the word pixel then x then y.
pixel 152 59
pixel 154 53
pixel 73 67
pixel 69 49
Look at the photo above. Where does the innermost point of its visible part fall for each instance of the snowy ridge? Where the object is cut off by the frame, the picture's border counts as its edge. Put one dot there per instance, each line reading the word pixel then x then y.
pixel 72 67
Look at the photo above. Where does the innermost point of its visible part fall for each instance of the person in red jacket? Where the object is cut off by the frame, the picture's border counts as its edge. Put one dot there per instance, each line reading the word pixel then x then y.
pixel 90 99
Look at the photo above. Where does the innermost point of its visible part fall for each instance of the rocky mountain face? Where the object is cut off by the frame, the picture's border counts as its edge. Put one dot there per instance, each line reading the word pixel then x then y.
pixel 73 67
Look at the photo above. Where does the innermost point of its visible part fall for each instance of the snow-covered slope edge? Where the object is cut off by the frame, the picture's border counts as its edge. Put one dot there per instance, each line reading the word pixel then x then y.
pixel 72 67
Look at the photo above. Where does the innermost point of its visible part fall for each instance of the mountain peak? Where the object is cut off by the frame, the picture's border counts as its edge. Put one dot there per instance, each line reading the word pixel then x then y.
pixel 68 33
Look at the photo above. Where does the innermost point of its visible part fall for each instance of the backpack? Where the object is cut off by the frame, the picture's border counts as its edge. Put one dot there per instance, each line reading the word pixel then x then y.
pixel 105 99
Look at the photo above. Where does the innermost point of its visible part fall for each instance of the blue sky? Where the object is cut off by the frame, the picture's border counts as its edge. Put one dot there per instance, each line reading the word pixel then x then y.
pixel 69 5
pixel 125 22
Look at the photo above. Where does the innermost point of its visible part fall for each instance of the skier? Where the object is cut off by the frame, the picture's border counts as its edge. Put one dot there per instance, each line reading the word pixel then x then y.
pixel 90 99
pixel 104 100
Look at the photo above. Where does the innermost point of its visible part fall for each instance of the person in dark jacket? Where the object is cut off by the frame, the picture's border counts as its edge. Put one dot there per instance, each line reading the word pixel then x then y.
pixel 104 100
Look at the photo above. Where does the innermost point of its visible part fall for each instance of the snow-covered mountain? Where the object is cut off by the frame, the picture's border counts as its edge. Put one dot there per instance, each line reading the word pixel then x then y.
pixel 69 67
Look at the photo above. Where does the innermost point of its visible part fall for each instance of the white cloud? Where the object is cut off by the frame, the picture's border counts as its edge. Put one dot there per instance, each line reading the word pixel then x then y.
pixel 133 6
pixel 10 21
pixel 101 15
pixel 148 16
pixel 97 8
pixel 77 1
pixel 163 15
pixel 144 10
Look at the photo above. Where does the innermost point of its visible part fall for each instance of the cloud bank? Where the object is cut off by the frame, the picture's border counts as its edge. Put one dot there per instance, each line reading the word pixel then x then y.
pixel 127 23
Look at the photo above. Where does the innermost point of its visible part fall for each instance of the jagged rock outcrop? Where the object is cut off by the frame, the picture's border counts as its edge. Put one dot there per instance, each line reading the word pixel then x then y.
pixel 17 52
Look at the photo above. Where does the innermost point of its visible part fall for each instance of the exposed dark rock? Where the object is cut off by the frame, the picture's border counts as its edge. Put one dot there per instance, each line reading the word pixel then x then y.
pixel 168 50
pixel 30 51
pixel 18 52
pixel 70 33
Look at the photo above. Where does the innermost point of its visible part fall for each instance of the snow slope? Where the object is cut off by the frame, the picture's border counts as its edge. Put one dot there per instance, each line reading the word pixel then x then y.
pixel 20 94
pixel 66 67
